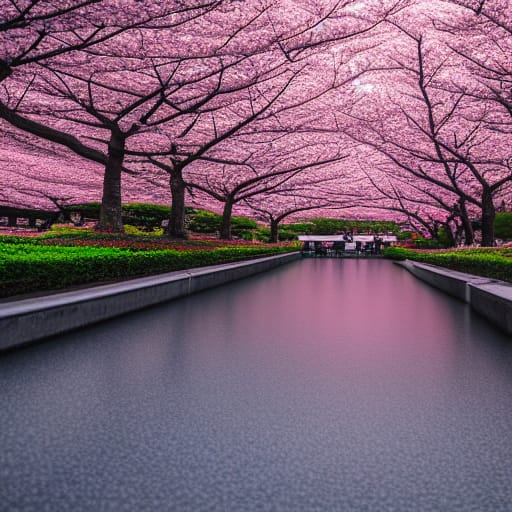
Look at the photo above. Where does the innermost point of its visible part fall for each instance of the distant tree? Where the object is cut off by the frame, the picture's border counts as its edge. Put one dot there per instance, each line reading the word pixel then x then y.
pixel 274 208
pixel 267 172
pixel 251 105
pixel 445 139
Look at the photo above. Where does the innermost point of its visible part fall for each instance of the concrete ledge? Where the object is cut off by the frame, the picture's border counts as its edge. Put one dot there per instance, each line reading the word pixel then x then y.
pixel 450 281
pixel 490 298
pixel 29 320
pixel 494 302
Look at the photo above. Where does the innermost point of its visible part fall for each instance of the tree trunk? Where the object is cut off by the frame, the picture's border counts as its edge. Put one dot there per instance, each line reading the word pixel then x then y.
pixel 274 231
pixel 225 228
pixel 111 207
pixel 469 236
pixel 176 226
pixel 488 216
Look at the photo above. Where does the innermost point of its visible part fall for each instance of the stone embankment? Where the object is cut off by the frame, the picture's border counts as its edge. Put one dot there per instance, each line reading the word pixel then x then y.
pixel 490 298
pixel 29 320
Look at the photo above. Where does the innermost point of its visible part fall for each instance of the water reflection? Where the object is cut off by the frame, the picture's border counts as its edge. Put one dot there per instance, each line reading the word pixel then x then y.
pixel 323 385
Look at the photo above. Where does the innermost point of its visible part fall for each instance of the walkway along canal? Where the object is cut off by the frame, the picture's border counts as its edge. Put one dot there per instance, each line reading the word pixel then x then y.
pixel 322 385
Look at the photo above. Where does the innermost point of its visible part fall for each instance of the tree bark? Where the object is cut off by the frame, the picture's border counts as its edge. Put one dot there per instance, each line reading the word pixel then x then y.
pixel 488 216
pixel 5 70
pixel 176 226
pixel 111 206
pixel 225 228
pixel 274 231
pixel 469 236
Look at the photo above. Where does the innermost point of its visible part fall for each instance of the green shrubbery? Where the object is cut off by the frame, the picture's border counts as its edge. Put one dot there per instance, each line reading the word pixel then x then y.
pixel 503 226
pixel 28 267
pixel 204 221
pixel 326 226
pixel 87 210
pixel 147 216
pixel 493 263
pixel 241 225
pixel 144 215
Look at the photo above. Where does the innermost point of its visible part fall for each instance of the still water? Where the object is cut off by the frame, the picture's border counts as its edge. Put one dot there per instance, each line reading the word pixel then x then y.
pixel 324 385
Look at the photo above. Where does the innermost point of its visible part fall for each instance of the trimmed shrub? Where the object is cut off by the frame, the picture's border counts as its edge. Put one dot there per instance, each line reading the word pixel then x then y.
pixel 242 225
pixel 87 210
pixel 205 222
pixel 325 226
pixel 145 215
pixel 493 263
pixel 503 226
pixel 27 267
pixel 287 235
pixel 300 228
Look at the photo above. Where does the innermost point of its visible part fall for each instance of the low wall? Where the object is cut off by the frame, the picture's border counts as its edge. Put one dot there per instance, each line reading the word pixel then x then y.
pixel 490 298
pixel 494 302
pixel 29 320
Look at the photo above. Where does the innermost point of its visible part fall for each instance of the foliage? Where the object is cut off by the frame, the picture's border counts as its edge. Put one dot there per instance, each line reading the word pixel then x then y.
pixel 326 226
pixel 287 234
pixel 493 263
pixel 134 230
pixel 299 228
pixel 404 235
pixel 25 212
pixel 28 267
pixel 503 225
pixel 443 238
pixel 425 243
pixel 87 210
pixel 145 215
pixel 241 224
pixel 437 62
pixel 204 221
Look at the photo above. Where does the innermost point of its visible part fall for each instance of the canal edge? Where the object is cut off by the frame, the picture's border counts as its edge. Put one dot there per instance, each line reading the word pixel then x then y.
pixel 490 298
pixel 32 320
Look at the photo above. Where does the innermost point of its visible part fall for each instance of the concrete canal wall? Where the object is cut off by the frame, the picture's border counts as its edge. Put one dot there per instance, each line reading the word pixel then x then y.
pixel 490 298
pixel 29 320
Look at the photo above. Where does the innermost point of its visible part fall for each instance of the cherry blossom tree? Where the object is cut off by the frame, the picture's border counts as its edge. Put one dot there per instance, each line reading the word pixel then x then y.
pixel 437 135
pixel 186 88
pixel 220 27
pixel 72 40
pixel 235 184
pixel 274 207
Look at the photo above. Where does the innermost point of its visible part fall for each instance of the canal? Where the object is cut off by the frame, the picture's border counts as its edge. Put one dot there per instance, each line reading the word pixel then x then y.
pixel 323 385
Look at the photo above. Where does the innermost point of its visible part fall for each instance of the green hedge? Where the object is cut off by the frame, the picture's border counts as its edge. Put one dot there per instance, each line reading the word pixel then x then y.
pixel 326 226
pixel 145 215
pixel 503 225
pixel 26 268
pixel 493 263
pixel 204 221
